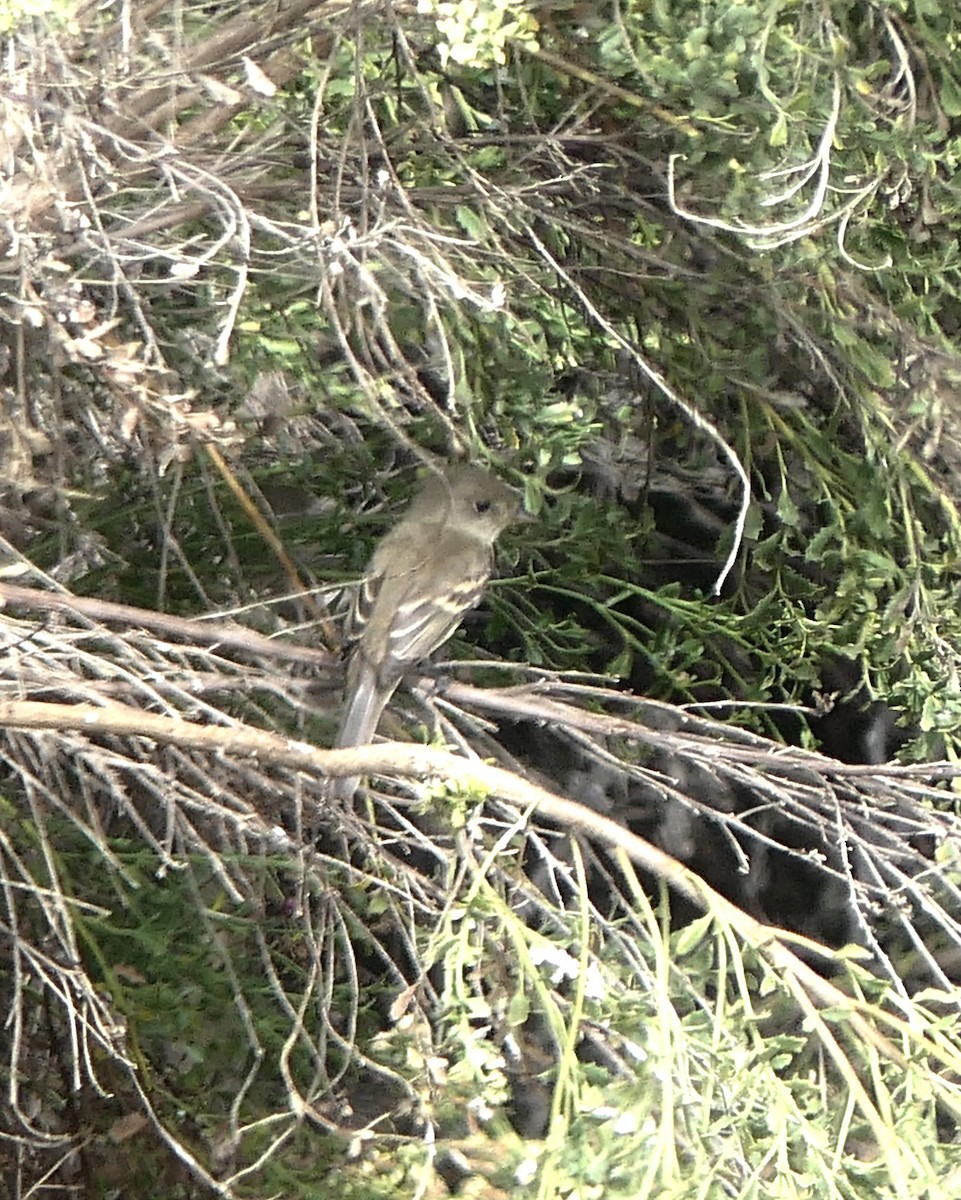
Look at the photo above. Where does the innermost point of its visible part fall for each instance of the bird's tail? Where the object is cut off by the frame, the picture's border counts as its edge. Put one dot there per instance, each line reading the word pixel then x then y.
pixel 365 702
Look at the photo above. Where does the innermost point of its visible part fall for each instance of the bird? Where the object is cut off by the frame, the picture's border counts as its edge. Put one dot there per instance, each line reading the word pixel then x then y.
pixel 425 573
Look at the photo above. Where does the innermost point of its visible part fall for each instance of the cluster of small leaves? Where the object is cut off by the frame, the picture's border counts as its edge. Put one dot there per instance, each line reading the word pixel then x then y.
pixel 775 84
pixel 476 33
pixel 714 1075
pixel 15 12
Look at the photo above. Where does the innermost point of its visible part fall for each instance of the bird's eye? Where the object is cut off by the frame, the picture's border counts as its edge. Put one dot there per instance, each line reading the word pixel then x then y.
pixel 482 506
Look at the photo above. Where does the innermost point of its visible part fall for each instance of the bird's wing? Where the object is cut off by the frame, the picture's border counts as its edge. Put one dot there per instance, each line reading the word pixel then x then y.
pixel 407 614
pixel 421 624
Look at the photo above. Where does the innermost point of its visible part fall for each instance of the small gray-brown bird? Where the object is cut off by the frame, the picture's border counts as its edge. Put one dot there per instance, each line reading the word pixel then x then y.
pixel 424 575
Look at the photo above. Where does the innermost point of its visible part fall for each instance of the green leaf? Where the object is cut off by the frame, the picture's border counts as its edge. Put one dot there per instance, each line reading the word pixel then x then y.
pixel 472 224
pixel 518 1010
pixel 949 94
pixel 787 509
pixel 692 936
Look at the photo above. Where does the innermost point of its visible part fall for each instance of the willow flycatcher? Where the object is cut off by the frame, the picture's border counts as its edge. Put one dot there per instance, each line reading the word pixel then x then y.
pixel 424 575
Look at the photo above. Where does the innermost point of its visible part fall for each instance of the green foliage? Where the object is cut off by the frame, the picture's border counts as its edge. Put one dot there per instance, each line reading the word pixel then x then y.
pixel 176 984
pixel 478 33
pixel 59 12
pixel 718 1083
